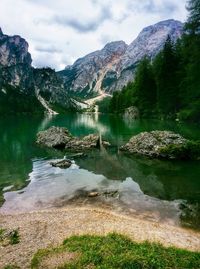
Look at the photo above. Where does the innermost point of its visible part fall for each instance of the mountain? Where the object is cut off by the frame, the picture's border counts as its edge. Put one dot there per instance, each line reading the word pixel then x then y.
pixel 98 74
pixel 26 89
pixel 86 75
pixel 114 66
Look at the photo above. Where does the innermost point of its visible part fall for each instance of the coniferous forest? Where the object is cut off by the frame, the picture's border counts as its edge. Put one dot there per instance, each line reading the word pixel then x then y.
pixel 169 85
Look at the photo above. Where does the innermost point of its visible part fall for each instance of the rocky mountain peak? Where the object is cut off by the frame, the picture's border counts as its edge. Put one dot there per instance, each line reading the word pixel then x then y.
pixel 171 23
pixel 150 41
pixel 13 50
pixel 114 66
pixel 87 73
pixel 116 46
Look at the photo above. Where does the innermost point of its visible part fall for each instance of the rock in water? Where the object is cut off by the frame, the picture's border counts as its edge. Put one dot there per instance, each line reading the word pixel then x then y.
pixel 62 163
pixel 164 144
pixel 54 137
pixel 60 138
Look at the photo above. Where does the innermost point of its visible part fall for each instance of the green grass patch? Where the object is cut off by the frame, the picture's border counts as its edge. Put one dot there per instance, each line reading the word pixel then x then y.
pixel 9 237
pixel 14 237
pixel 117 251
pixel 11 267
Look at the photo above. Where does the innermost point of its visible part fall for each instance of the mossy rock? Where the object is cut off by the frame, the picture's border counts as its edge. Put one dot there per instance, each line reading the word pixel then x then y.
pixel 190 150
pixel 163 144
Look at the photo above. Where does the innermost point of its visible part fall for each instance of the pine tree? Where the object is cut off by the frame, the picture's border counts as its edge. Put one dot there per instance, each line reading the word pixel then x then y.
pixel 166 70
pixel 193 22
pixel 145 88
pixel 190 86
pixel 114 103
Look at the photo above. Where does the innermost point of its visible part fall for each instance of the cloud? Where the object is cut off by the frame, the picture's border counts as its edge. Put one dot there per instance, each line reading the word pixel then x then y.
pixel 59 32
pixel 154 6
pixel 84 25
pixel 106 38
pixel 48 49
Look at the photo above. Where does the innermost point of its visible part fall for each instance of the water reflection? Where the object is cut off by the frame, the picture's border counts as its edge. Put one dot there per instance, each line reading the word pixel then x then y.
pixel 50 187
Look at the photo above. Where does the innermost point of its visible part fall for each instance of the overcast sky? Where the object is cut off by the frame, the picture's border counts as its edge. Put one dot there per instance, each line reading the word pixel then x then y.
pixel 60 31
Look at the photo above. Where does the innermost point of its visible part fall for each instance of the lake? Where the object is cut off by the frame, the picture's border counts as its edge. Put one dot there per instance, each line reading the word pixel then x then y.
pixel 158 190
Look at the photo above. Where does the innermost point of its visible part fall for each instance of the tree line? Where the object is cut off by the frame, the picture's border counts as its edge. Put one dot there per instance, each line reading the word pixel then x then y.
pixel 169 85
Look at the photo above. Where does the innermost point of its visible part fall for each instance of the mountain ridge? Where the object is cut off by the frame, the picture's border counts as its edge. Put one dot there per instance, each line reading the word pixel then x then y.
pixel 121 62
pixel 98 73
pixel 40 89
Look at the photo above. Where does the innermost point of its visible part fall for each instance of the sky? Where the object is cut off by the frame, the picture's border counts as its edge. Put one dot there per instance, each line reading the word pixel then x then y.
pixel 61 31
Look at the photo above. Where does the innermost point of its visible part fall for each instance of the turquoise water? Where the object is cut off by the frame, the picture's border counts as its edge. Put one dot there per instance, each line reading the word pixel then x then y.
pixel 154 189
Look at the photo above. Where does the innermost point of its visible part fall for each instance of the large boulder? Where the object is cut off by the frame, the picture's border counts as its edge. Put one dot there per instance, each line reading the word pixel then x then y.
pixel 54 137
pixel 162 144
pixel 61 138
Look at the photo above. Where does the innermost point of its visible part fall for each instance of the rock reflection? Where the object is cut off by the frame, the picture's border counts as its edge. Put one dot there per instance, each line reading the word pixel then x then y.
pixel 50 187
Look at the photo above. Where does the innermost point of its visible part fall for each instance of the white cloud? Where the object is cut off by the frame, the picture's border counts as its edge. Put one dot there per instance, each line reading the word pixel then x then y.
pixel 61 31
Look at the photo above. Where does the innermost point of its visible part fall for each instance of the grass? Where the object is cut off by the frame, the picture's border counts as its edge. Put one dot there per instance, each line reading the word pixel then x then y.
pixel 11 267
pixel 1 233
pixel 117 251
pixel 9 238
pixel 14 237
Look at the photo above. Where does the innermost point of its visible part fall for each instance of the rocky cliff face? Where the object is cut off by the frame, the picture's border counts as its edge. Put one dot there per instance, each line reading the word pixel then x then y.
pixel 86 75
pixel 13 50
pixel 50 91
pixel 114 66
pixel 19 80
pixel 15 62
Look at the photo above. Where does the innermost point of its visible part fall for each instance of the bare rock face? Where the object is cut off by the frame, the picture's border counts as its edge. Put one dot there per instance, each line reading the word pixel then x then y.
pixel 15 63
pixel 60 138
pixel 13 50
pixel 164 144
pixel 86 75
pixel 114 66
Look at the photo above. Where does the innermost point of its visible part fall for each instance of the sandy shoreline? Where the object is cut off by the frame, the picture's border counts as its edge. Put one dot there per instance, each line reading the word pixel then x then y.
pixel 41 229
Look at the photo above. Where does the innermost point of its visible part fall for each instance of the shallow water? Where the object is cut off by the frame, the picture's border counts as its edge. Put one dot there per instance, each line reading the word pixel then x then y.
pixel 154 189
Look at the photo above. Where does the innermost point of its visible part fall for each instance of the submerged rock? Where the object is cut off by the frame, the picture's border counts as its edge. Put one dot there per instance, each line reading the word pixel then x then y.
pixel 106 194
pixel 78 155
pixel 93 194
pixel 111 194
pixel 60 138
pixel 62 163
pixel 162 144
